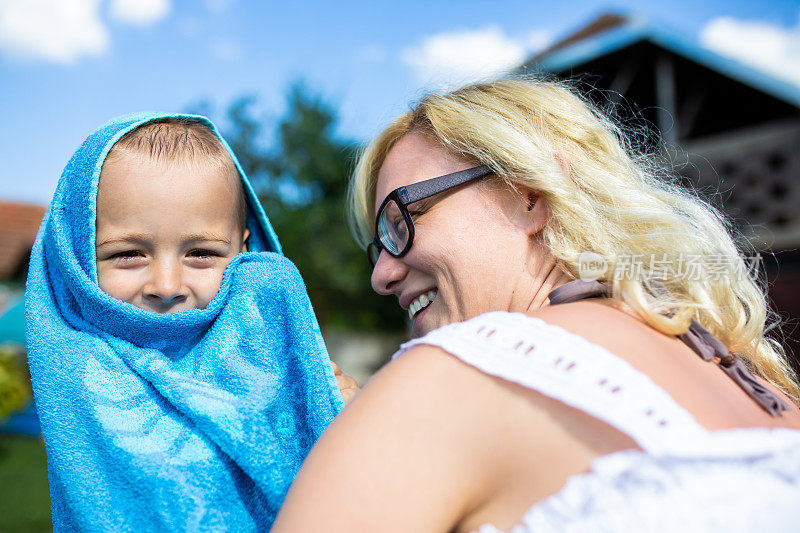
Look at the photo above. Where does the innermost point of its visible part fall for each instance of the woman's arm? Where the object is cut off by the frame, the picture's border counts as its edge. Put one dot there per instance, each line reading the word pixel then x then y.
pixel 410 453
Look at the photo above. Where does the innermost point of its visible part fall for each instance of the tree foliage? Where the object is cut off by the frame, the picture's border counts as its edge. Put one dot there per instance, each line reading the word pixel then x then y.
pixel 15 385
pixel 301 179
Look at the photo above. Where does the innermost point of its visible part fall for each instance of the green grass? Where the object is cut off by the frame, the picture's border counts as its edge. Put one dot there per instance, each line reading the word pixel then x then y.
pixel 24 493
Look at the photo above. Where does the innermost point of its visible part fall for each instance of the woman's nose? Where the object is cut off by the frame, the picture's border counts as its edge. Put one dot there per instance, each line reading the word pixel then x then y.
pixel 166 284
pixel 388 271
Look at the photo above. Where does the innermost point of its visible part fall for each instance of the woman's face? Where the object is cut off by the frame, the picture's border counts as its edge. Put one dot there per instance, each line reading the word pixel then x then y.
pixel 472 248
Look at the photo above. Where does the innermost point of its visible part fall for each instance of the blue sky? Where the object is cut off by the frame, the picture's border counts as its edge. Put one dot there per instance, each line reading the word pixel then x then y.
pixel 66 66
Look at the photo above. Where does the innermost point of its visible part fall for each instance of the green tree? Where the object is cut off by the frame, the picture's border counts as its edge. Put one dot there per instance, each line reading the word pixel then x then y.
pixel 302 179
pixel 15 383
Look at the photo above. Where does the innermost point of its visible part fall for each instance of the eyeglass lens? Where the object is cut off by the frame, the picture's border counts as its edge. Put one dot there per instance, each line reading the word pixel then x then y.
pixel 392 228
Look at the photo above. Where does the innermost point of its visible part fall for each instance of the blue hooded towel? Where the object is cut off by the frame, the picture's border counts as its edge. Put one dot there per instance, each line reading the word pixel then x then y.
pixel 195 420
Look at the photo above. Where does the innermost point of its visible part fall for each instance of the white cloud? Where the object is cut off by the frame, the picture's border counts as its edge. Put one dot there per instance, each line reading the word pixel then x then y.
pixel 139 12
pixel 227 50
pixel 761 45
pixel 538 40
pixel 55 30
pixel 462 56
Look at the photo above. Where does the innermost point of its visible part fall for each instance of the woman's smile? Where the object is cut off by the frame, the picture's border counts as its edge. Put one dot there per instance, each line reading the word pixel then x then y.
pixel 421 302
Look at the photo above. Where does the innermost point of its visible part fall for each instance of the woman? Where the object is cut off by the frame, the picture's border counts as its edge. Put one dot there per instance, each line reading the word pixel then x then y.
pixel 509 410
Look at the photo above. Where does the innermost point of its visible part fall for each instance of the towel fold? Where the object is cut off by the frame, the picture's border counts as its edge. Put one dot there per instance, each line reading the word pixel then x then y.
pixel 196 420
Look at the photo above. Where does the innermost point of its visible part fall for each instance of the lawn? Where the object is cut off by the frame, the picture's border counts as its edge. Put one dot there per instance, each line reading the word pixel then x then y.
pixel 24 493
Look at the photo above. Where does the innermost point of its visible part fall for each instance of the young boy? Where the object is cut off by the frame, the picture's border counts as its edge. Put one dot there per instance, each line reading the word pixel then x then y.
pixel 171 215
pixel 193 407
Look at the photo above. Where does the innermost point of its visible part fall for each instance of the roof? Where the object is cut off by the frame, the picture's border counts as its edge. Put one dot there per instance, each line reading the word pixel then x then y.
pixel 610 33
pixel 18 226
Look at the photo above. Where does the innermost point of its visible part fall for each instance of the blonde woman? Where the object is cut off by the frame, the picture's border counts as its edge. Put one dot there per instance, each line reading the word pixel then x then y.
pixel 531 400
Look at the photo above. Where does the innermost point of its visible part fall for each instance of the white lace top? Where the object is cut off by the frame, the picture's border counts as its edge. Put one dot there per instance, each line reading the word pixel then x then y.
pixel 685 478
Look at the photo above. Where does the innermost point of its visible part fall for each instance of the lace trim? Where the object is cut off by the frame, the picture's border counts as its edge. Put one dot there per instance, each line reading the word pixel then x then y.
pixel 568 368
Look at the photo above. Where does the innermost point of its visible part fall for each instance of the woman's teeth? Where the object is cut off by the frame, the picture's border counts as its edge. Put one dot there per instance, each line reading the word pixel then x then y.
pixel 421 302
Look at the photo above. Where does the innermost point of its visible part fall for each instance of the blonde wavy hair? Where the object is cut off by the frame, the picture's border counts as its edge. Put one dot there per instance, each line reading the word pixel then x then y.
pixel 602 197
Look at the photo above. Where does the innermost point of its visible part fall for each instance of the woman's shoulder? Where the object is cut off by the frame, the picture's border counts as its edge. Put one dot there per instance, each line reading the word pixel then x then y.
pixel 513 370
pixel 431 425
pixel 590 354
pixel 698 386
pixel 460 447
pixel 516 346
pixel 553 362
pixel 523 349
pixel 527 441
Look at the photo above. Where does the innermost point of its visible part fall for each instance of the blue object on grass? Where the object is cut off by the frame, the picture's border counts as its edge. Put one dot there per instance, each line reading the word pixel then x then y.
pixel 25 422
pixel 195 420
pixel 12 322
pixel 12 330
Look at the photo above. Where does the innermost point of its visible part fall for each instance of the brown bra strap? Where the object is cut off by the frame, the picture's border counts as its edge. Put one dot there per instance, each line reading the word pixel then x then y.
pixel 696 337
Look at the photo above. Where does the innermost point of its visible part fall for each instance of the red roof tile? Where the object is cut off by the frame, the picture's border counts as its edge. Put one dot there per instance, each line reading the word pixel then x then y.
pixel 18 226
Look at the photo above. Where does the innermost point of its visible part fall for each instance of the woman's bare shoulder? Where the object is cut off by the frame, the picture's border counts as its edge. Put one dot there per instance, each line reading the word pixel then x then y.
pixel 699 386
pixel 520 445
pixel 407 441
pixel 592 317
pixel 449 439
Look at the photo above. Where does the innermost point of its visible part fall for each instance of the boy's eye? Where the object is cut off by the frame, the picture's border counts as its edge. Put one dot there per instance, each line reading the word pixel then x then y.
pixel 127 255
pixel 203 253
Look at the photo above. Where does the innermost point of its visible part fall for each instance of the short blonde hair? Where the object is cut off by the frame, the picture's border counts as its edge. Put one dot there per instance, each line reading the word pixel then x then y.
pixel 183 139
pixel 602 197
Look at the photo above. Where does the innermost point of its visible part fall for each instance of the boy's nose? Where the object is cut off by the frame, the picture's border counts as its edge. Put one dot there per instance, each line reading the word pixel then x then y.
pixel 166 286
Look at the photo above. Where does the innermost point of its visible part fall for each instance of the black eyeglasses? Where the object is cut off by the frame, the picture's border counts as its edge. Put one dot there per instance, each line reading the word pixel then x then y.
pixel 394 227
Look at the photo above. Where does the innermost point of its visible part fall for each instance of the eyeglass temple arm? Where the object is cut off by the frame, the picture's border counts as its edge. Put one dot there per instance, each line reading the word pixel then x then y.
pixel 424 189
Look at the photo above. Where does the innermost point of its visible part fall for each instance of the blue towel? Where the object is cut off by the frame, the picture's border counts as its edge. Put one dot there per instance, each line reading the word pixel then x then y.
pixel 196 420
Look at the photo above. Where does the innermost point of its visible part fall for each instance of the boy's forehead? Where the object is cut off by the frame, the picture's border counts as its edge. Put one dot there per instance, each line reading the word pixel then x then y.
pixel 131 177
pixel 127 164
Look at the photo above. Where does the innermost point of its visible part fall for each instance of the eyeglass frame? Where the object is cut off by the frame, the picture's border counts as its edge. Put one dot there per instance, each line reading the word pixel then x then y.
pixel 408 194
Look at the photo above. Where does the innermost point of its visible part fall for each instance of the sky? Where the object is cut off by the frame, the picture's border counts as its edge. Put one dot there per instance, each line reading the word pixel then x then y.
pixel 67 66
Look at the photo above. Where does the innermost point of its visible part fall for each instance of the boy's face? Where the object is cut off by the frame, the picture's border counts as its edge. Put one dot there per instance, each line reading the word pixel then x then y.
pixel 165 232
